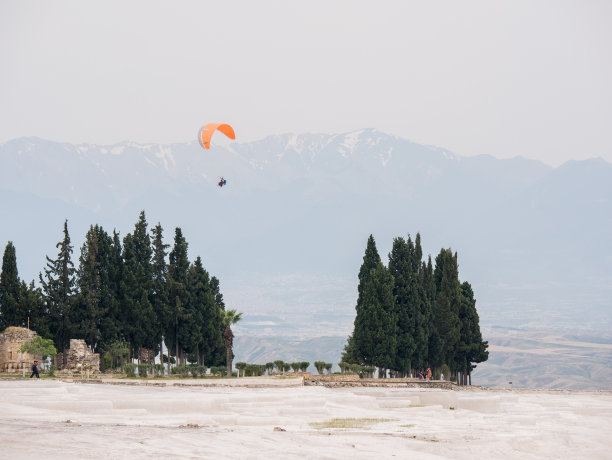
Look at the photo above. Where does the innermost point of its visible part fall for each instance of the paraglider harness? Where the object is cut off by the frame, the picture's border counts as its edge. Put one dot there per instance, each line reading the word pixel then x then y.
pixel 222 182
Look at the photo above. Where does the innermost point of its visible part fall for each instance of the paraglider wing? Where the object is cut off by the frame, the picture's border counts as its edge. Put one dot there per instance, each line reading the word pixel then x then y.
pixel 207 131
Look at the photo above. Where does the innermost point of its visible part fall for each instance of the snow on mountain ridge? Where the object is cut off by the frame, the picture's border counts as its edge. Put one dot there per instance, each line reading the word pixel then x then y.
pixel 385 158
pixel 350 141
pixel 165 154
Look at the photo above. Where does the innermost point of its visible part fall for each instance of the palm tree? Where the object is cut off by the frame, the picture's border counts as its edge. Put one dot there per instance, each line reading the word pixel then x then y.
pixel 230 317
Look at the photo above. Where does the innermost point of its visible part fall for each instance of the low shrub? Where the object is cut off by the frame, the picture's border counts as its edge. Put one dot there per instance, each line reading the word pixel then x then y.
pixel 143 370
pixel 319 366
pixel 158 369
pixel 218 370
pixel 251 370
pixel 240 366
pixel 181 370
pixel 51 370
pixel 129 369
pixel 197 370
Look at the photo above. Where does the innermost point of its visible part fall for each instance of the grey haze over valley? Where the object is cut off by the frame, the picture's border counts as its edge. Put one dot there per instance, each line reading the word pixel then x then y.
pixel 286 235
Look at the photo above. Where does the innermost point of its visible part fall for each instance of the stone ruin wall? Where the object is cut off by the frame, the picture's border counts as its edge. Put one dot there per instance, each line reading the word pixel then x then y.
pixel 79 358
pixel 11 359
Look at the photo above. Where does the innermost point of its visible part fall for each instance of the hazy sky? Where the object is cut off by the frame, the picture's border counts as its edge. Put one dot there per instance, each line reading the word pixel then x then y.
pixel 530 78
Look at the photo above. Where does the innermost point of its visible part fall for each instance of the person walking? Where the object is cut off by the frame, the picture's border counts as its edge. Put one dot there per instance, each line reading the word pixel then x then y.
pixel 35 370
pixel 428 373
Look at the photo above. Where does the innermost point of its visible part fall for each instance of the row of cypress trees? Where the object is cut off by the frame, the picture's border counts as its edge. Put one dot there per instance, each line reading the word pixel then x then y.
pixel 410 315
pixel 131 290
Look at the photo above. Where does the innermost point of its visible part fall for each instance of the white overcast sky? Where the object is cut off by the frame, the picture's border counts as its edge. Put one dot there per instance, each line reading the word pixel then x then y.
pixel 529 78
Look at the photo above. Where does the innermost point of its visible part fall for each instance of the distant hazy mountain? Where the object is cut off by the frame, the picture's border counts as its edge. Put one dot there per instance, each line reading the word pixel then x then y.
pixel 518 359
pixel 534 241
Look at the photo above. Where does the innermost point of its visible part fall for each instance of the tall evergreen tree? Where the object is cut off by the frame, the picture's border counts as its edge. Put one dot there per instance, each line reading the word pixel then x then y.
pixel 191 332
pixel 446 305
pixel 58 288
pixel 206 315
pixel 160 299
pixel 423 308
pixel 371 259
pixel 10 289
pixel 111 274
pixel 32 303
pixel 137 287
pixel 89 310
pixel 406 307
pixel 219 354
pixel 375 326
pixel 471 348
pixel 20 304
pixel 178 296
pixel 434 343
pixel 425 324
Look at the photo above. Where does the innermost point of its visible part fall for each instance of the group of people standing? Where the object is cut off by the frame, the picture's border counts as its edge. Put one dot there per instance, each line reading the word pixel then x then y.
pixel 424 375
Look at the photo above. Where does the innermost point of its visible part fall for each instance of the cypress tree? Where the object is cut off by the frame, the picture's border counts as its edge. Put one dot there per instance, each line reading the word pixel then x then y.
pixel 110 260
pixel 434 344
pixel 58 288
pixel 88 310
pixel 32 303
pixel 141 321
pixel 219 353
pixel 424 315
pixel 191 332
pixel 446 305
pixel 128 290
pixel 371 259
pixel 404 290
pixel 425 322
pixel 375 325
pixel 471 348
pixel 206 311
pixel 20 304
pixel 10 288
pixel 429 282
pixel 177 289
pixel 159 297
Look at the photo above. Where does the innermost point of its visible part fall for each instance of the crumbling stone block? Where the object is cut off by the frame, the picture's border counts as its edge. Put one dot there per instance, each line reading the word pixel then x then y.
pixel 11 359
pixel 79 359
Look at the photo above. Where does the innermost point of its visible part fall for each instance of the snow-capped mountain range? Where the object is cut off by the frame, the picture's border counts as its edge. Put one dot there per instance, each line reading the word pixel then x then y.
pixel 532 239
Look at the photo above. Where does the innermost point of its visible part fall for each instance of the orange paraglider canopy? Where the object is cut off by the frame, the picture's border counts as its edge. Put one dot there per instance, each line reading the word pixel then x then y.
pixel 207 131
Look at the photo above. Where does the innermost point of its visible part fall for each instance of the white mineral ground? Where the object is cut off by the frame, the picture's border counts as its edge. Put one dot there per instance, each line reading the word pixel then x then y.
pixel 54 419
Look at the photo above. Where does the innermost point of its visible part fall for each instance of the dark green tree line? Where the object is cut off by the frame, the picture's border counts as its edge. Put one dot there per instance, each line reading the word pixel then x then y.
pixel 128 291
pixel 411 315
